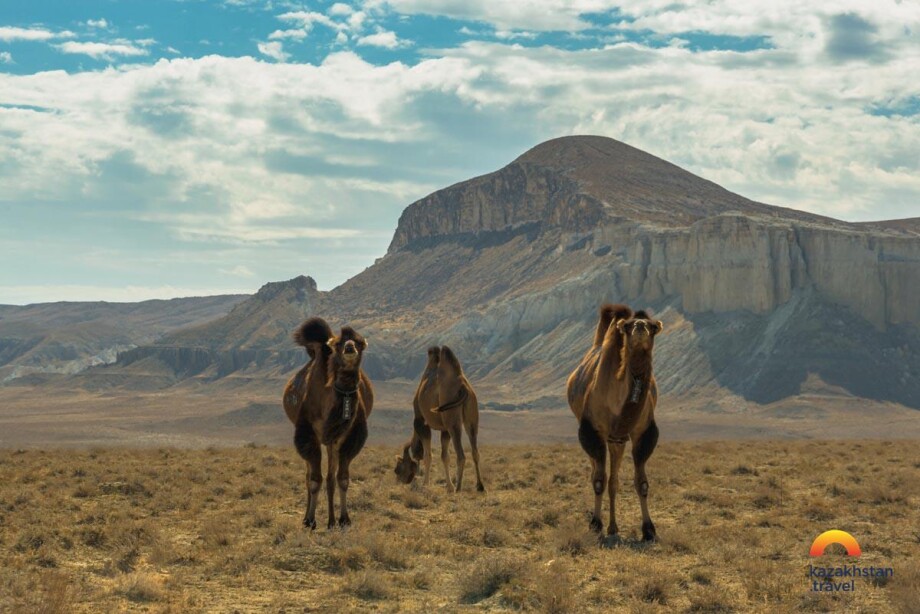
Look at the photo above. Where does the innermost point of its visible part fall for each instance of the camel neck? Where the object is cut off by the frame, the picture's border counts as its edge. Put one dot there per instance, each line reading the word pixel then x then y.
pixel 345 381
pixel 639 363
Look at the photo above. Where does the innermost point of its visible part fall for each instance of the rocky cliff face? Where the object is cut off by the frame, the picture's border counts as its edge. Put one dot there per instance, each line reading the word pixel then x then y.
pixel 509 269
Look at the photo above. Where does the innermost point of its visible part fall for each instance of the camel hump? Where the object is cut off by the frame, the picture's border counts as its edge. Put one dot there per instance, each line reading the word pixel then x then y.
pixel 610 312
pixel 313 330
pixel 450 359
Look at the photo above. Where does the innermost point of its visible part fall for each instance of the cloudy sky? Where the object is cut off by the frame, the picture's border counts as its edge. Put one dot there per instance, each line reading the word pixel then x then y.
pixel 172 148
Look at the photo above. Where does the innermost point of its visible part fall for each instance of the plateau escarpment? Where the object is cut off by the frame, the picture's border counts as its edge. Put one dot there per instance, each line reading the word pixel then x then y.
pixel 509 268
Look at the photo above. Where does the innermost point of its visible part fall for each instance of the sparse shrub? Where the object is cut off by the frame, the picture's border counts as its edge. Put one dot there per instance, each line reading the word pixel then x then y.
pixel 216 533
pixel 701 577
pixel 652 590
pixel 388 552
pixel 744 470
pixel 421 580
pixel 486 576
pixel 904 588
pixel 414 500
pixel 56 594
pixel 368 585
pixel 710 600
pixel 494 537
pixel 575 539
pixel 554 589
pixel 140 588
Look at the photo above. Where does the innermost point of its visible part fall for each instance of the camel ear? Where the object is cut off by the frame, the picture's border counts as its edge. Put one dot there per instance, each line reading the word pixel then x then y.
pixel 657 327
pixel 620 325
pixel 331 342
pixel 364 343
pixel 398 457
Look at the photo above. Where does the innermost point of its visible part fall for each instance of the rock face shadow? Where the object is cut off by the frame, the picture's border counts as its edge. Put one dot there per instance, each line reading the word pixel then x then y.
pixel 766 358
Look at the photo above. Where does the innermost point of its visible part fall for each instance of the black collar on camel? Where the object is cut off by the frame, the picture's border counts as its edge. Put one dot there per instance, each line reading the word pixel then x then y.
pixel 349 396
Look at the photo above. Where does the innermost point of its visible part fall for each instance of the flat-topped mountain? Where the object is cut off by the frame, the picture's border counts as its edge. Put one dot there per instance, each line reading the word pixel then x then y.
pixel 576 183
pixel 759 302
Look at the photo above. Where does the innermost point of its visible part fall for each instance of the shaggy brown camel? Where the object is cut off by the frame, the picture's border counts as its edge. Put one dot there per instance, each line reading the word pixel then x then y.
pixel 444 401
pixel 613 395
pixel 328 401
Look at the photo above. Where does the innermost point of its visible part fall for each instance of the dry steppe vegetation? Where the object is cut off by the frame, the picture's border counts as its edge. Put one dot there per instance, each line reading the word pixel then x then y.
pixel 219 530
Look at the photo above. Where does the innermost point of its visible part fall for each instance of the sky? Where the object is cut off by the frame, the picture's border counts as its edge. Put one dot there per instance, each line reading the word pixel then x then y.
pixel 188 147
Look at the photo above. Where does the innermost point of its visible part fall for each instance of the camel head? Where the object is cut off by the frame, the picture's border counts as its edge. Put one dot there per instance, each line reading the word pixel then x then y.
pixel 639 331
pixel 406 466
pixel 347 349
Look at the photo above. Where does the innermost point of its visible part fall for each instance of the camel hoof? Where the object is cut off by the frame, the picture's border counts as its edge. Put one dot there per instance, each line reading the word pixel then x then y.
pixel 309 523
pixel 596 525
pixel 331 524
pixel 648 532
pixel 344 520
pixel 480 487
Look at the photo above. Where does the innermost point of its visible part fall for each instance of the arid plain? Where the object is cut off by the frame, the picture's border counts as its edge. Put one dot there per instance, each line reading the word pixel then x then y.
pixel 172 530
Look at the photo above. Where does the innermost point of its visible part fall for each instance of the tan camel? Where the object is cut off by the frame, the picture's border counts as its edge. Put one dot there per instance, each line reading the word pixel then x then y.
pixel 613 394
pixel 444 401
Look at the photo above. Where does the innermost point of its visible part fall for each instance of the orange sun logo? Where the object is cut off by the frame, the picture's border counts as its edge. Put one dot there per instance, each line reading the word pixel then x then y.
pixel 835 536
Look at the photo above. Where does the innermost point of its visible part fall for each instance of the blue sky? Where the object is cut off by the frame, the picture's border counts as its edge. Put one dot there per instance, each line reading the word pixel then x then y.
pixel 169 148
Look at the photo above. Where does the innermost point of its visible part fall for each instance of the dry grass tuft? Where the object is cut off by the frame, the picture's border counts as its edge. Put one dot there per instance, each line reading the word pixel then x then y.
pixel 140 588
pixel 370 585
pixel 487 575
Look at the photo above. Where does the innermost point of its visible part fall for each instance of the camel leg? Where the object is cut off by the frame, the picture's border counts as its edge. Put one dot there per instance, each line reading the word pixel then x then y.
pixel 423 432
pixel 347 453
pixel 642 450
pixel 445 458
pixel 471 433
pixel 616 457
pixel 426 446
pixel 592 443
pixel 309 449
pixel 456 435
pixel 332 464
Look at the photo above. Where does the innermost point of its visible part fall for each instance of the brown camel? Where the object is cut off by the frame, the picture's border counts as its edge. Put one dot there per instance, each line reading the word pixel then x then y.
pixel 444 401
pixel 328 400
pixel 613 395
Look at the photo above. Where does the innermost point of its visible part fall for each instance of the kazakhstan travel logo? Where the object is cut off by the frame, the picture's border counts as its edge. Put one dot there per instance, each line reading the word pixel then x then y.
pixel 840 578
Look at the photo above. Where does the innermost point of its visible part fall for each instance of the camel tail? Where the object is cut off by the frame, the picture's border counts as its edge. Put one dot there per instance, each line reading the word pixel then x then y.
pixel 313 330
pixel 609 312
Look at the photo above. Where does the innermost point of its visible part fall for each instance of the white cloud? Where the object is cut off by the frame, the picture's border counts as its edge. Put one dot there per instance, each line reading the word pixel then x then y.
pixel 6 57
pixel 239 270
pixel 9 34
pixel 238 151
pixel 385 39
pixel 101 51
pixel 274 50
pixel 307 18
pixel 97 23
pixel 291 34
pixel 340 9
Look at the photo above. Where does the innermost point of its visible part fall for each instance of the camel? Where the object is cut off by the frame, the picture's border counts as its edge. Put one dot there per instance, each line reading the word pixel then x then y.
pixel 329 400
pixel 613 395
pixel 444 401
